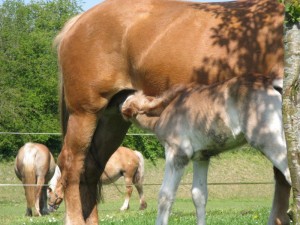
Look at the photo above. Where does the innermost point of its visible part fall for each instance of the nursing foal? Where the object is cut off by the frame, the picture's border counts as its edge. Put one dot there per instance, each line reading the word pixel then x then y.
pixel 197 122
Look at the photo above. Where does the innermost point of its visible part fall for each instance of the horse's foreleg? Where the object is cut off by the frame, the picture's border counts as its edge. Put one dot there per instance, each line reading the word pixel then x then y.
pixel 172 177
pixel 78 137
pixel 199 189
pixel 129 188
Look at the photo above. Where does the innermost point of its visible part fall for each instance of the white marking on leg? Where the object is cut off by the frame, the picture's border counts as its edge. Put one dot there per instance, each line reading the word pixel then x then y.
pixel 199 189
pixel 168 190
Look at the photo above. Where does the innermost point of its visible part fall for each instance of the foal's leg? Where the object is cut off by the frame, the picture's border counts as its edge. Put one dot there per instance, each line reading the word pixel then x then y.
pixel 172 177
pixel 278 214
pixel 274 148
pixel 280 205
pixel 199 189
pixel 129 188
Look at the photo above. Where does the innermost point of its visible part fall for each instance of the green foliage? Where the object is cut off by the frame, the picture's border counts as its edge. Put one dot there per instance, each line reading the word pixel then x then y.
pixel 28 70
pixel 292 11
pixel 147 144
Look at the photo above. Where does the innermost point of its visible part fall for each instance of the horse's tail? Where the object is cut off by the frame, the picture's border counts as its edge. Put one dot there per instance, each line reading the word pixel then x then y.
pixel 29 176
pixel 66 28
pixel 64 115
pixel 138 177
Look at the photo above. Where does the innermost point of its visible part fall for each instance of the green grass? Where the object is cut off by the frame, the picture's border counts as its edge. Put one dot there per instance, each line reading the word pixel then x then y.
pixel 256 215
pixel 227 204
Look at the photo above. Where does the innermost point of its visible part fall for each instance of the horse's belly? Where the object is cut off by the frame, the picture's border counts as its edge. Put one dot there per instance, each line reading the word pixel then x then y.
pixel 211 146
pixel 182 44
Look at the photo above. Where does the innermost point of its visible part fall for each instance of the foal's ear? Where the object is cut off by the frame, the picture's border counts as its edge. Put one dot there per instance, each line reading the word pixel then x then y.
pixel 127 112
pixel 154 108
pixel 150 98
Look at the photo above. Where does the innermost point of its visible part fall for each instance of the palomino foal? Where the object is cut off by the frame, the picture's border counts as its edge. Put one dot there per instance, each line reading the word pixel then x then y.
pixel 195 123
pixel 34 166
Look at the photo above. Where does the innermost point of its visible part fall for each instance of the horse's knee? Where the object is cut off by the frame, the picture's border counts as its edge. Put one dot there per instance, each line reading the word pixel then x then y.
pixel 165 199
pixel 199 197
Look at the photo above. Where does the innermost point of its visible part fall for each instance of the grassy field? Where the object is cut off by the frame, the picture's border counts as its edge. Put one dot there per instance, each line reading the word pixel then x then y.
pixel 236 204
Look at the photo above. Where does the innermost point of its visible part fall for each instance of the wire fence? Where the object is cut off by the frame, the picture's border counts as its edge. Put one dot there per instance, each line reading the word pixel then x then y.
pixel 119 184
pixel 155 184
pixel 56 134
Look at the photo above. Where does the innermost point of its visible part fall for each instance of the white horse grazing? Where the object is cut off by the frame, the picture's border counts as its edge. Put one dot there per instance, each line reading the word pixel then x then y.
pixel 197 122
pixel 124 162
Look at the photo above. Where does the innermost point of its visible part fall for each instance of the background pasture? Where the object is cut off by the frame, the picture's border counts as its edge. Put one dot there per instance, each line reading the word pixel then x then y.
pixel 227 204
pixel 29 104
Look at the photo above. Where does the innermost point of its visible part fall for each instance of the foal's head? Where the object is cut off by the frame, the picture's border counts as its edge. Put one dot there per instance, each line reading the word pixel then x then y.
pixel 139 103
pixel 135 104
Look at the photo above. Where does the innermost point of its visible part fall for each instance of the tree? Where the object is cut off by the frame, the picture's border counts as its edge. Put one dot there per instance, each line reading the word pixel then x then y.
pixel 291 99
pixel 28 70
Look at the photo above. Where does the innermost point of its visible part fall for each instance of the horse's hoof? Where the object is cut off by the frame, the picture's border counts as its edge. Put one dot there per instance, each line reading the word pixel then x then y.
pixel 143 206
pixel 123 209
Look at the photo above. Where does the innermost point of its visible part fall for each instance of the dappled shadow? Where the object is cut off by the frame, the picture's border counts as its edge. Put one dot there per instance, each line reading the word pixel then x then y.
pixel 249 36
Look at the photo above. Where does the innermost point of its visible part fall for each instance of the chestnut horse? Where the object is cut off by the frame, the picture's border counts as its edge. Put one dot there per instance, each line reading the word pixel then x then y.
pixel 198 122
pixel 34 166
pixel 123 163
pixel 151 45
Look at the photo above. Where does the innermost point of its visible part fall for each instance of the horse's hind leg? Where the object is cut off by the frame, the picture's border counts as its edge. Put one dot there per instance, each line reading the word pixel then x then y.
pixel 43 201
pixel 77 140
pixel 110 132
pixel 129 189
pixel 139 188
pixel 38 195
